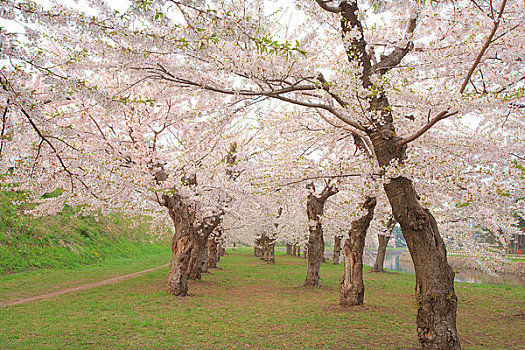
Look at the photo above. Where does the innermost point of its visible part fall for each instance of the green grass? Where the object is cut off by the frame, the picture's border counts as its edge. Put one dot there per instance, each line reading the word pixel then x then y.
pixel 67 239
pixel 246 304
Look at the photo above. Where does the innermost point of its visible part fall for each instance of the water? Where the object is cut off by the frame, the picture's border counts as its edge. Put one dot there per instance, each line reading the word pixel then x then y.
pixel 393 263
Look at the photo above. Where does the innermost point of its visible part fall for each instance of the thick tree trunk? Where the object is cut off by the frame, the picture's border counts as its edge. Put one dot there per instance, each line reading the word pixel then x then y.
pixel 181 244
pixel 323 258
pixel 271 252
pixel 204 259
pixel 194 266
pixel 314 208
pixel 435 295
pixel 314 255
pixel 212 253
pixel 178 273
pixel 294 249
pixel 337 249
pixel 352 287
pixel 381 252
pixel 288 249
pixel 203 232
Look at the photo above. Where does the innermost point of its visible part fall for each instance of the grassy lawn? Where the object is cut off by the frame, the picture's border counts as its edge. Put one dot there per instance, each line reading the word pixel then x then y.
pixel 246 304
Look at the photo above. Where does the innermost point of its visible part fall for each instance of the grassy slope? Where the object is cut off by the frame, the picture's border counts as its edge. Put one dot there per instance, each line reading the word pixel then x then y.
pixel 66 239
pixel 246 305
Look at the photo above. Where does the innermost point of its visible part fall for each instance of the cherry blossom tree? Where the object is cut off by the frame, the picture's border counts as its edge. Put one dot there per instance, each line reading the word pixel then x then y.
pixel 431 99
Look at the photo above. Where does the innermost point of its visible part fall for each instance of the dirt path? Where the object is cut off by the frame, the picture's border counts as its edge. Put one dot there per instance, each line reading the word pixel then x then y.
pixel 77 288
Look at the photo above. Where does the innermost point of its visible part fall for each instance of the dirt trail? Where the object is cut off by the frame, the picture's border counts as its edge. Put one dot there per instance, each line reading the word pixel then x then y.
pixel 108 281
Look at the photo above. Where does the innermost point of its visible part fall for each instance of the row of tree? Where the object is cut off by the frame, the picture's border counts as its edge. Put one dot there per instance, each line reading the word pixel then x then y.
pixel 406 107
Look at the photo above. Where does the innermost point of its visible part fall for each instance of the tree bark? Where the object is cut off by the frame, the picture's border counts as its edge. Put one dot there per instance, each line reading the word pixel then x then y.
pixel 314 208
pixel 314 255
pixel 194 266
pixel 294 249
pixel 337 249
pixel 435 295
pixel 352 287
pixel 271 252
pixel 203 232
pixel 383 239
pixel 181 244
pixel 288 249
pixel 204 259
pixel 212 252
pixel 381 252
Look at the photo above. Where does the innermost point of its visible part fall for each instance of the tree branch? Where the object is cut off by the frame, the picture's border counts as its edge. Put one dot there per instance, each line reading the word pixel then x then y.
pixel 484 48
pixel 396 56
pixel 37 130
pixel 317 178
pixel 4 121
pixel 324 5
pixel 428 125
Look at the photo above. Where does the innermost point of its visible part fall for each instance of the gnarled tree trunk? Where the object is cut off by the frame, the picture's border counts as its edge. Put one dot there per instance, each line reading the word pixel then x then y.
pixel 202 234
pixel 435 295
pixel 271 252
pixel 437 301
pixel 212 252
pixel 381 252
pixel 181 244
pixel 383 239
pixel 352 288
pixel 194 266
pixel 337 249
pixel 204 258
pixel 314 208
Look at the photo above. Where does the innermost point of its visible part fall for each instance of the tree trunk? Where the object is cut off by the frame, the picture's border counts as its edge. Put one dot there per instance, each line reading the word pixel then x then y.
pixel 323 259
pixel 435 295
pixel 204 259
pixel 337 249
pixel 314 208
pixel 194 266
pixel 288 249
pixel 436 298
pixel 305 252
pixel 181 244
pixel 203 232
pixel 212 253
pixel 381 252
pixel 352 287
pixel 314 255
pixel 271 252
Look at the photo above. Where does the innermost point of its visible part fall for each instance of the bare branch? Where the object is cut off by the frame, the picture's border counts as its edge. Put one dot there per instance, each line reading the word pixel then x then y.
pixel 396 56
pixel 428 125
pixel 45 139
pixel 484 48
pixel 317 178
pixel 4 122
pixel 324 5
